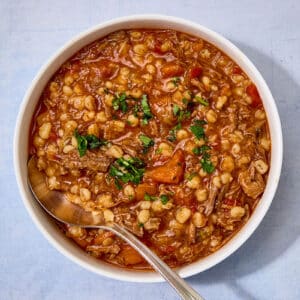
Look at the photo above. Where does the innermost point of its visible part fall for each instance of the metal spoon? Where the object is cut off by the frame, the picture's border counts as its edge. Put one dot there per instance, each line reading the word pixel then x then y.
pixel 57 205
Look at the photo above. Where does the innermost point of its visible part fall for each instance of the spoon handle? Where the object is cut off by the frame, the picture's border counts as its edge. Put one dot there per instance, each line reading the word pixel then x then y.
pixel 181 287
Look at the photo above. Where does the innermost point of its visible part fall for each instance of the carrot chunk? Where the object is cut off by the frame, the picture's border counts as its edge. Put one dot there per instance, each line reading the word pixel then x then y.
pixel 130 256
pixel 171 70
pixel 170 172
pixel 143 189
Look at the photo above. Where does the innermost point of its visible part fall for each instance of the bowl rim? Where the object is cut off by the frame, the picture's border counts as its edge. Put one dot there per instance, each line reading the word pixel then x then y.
pixel 274 123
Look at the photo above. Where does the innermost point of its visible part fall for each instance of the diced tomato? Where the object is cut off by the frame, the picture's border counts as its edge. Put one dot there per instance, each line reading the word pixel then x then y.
pixel 170 172
pixel 237 70
pixel 196 72
pixel 157 47
pixel 251 91
pixel 229 202
pixel 52 136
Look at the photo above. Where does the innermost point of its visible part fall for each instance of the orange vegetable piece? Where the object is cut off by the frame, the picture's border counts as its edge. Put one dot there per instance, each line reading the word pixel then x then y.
pixel 170 172
pixel 252 91
pixel 130 256
pixel 145 188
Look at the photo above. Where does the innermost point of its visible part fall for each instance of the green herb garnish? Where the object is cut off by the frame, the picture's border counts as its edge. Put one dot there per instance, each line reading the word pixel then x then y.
pixel 172 135
pixel 197 129
pixel 201 150
pixel 206 163
pixel 176 110
pixel 201 101
pixel 147 142
pixel 158 151
pixel 127 170
pixel 190 176
pixel 148 197
pixel 146 110
pixel 141 224
pixel 164 199
pixel 135 110
pixel 86 142
pixel 175 80
pixel 180 114
pixel 119 102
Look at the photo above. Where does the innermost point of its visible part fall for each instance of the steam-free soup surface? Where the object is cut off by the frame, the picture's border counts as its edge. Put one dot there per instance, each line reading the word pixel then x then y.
pixel 159 131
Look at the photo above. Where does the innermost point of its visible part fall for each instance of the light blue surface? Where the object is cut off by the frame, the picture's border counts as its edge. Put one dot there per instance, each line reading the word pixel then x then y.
pixel 267 266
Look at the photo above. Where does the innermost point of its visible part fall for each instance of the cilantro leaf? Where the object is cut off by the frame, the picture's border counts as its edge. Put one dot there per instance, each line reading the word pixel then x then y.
pixel 127 170
pixel 172 135
pixel 200 150
pixel 148 197
pixel 197 129
pixel 176 110
pixel 175 80
pixel 147 142
pixel 201 101
pixel 164 199
pixel 86 142
pixel 146 110
pixel 81 143
pixel 207 165
pixel 94 142
pixel 119 102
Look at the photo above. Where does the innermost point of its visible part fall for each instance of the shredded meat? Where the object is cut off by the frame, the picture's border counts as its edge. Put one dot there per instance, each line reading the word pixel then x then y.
pixel 91 161
pixel 99 249
pixel 252 183
pixel 211 200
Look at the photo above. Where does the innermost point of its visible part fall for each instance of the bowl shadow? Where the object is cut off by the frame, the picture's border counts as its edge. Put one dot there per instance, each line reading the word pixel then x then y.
pixel 276 233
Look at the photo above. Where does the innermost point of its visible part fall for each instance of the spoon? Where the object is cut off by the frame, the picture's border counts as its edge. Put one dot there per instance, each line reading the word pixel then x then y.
pixel 56 204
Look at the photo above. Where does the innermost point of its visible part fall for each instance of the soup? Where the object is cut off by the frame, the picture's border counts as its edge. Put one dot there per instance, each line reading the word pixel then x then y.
pixel 158 131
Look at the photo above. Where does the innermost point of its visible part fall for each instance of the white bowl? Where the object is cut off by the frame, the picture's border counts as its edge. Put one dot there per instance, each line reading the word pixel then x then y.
pixel 50 230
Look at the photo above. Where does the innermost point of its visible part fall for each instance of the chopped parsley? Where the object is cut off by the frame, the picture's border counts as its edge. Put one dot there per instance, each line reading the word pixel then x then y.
pixel 201 150
pixel 119 102
pixel 141 224
pixel 86 142
pixel 172 135
pixel 148 197
pixel 164 199
pixel 206 163
pixel 158 151
pixel 197 129
pixel 147 142
pixel 135 110
pixel 176 110
pixel 180 114
pixel 146 110
pixel 185 101
pixel 127 170
pixel 176 80
pixel 201 101
pixel 190 176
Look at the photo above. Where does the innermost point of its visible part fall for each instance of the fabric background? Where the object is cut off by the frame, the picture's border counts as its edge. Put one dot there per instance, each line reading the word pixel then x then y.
pixel 267 266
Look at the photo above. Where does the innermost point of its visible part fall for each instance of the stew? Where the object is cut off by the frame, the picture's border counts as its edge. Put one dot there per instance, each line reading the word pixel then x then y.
pixel 159 131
